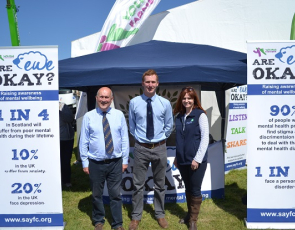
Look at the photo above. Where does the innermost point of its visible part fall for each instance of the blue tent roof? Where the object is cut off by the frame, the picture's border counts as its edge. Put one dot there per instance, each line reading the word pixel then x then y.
pixel 212 67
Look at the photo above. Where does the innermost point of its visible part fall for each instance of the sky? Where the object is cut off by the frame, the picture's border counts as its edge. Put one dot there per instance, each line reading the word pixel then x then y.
pixel 58 22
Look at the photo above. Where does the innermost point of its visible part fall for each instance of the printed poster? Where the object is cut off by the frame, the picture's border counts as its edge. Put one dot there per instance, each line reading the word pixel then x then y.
pixel 236 137
pixel 29 138
pixel 270 135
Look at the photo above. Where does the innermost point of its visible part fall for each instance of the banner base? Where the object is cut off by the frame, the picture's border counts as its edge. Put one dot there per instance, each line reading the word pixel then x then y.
pixel 269 225
pixel 33 228
pixel 36 228
pixel 244 167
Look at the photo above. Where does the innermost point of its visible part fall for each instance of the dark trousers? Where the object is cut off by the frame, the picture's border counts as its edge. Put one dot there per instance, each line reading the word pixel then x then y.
pixel 193 178
pixel 99 172
pixel 66 150
pixel 142 158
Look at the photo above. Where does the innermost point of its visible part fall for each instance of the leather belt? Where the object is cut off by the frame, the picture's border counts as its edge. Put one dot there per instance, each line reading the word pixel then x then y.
pixel 106 161
pixel 151 145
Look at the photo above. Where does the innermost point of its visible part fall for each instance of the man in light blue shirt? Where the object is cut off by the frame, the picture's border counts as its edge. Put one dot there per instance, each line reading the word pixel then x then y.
pixel 104 150
pixel 150 122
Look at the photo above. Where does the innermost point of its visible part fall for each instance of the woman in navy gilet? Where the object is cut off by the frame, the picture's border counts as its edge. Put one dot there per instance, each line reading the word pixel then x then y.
pixel 192 139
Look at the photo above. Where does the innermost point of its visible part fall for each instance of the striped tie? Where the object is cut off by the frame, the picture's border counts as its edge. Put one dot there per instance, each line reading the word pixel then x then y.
pixel 107 134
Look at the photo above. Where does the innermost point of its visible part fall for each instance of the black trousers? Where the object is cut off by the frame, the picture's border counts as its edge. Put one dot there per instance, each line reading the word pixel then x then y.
pixel 193 178
pixel 111 172
pixel 66 150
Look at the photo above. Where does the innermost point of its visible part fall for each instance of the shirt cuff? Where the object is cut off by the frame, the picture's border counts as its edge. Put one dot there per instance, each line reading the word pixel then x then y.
pixel 85 163
pixel 125 161
pixel 197 160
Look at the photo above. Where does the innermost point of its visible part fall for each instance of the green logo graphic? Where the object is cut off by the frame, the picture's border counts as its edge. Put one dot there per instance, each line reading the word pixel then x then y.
pixel 5 56
pixel 115 34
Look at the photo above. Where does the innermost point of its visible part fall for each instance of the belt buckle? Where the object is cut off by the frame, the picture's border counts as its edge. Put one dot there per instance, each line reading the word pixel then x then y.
pixel 153 146
pixel 106 161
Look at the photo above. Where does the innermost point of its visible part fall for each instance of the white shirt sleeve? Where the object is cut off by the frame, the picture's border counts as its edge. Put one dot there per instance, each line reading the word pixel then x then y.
pixel 204 128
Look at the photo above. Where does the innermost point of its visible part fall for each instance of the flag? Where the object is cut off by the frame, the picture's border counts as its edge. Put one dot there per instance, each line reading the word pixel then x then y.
pixel 123 22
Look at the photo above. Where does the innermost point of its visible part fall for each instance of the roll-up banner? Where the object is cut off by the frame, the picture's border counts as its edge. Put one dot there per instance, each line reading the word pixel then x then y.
pixel 236 136
pixel 270 135
pixel 29 139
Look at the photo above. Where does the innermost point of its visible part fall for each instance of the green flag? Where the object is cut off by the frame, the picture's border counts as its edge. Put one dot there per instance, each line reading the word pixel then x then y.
pixel 292 36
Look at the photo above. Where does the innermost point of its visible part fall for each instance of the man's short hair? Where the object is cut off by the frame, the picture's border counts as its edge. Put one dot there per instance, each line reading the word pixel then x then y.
pixel 150 72
pixel 112 95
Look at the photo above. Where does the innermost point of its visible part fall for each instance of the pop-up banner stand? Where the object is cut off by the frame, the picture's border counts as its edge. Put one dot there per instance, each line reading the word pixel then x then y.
pixel 29 139
pixel 270 135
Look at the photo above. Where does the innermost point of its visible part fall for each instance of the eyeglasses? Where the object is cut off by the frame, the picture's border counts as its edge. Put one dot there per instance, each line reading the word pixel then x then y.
pixel 188 88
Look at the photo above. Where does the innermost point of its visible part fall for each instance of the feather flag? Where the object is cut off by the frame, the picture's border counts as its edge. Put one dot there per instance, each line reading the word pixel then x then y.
pixel 123 22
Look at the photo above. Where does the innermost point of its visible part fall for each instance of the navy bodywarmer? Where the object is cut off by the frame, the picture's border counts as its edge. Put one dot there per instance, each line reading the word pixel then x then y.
pixel 188 140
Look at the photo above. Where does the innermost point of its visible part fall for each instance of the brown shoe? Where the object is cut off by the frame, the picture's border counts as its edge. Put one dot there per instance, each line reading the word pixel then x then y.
pixel 163 222
pixel 98 226
pixel 134 224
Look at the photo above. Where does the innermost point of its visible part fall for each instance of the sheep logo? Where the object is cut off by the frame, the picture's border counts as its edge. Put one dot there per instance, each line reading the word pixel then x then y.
pixel 286 55
pixel 33 61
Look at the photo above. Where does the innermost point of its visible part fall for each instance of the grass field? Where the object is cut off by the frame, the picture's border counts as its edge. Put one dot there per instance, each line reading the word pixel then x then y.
pixel 227 213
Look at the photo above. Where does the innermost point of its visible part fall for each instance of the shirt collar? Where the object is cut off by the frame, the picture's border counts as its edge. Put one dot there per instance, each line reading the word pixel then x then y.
pixel 98 110
pixel 144 97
